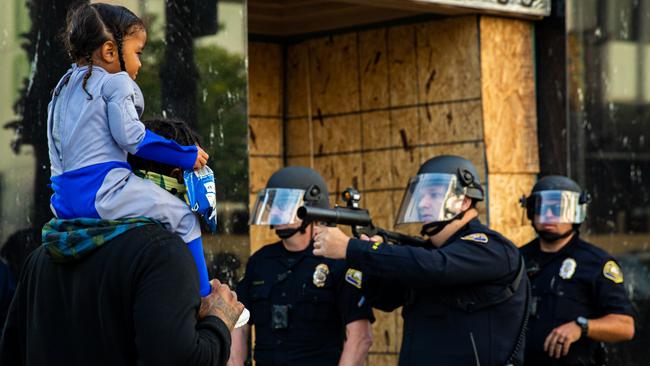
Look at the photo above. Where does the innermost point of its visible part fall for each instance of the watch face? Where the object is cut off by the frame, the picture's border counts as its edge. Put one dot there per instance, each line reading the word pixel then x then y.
pixel 581 320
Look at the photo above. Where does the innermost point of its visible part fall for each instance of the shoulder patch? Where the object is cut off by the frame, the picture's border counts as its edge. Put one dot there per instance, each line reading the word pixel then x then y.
pixel 613 272
pixel 477 238
pixel 354 277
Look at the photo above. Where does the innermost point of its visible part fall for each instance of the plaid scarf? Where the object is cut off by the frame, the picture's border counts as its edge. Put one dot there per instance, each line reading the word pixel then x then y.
pixel 71 240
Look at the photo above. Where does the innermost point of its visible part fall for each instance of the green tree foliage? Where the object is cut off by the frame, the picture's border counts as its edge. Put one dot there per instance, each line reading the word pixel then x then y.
pixel 221 111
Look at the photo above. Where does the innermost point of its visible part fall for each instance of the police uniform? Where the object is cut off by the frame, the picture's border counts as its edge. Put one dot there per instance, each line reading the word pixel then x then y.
pixel 579 280
pixel 299 305
pixel 464 303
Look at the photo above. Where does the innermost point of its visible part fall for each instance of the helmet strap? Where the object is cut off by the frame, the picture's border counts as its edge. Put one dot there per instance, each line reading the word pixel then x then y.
pixel 433 228
pixel 287 233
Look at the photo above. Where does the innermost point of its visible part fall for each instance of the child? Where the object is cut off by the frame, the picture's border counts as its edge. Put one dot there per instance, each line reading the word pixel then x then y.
pixel 93 122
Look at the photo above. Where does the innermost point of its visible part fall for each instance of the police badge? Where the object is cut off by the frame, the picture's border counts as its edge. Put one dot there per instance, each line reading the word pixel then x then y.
pixel 568 268
pixel 320 274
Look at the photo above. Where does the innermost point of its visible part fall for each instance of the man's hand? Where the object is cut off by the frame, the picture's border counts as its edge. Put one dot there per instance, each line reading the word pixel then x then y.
pixel 330 242
pixel 201 159
pixel 557 343
pixel 222 303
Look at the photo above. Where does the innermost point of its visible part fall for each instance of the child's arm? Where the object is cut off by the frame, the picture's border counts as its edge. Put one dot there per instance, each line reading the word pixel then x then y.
pixel 157 148
pixel 132 136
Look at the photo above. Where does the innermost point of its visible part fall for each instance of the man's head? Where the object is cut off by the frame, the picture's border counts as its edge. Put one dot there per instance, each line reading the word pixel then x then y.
pixel 443 190
pixel 167 176
pixel 287 190
pixel 556 207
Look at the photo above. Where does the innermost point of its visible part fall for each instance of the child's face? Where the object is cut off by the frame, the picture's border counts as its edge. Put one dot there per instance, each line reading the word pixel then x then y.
pixel 132 47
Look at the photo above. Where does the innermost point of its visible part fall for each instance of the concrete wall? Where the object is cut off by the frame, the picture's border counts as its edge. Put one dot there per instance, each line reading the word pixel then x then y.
pixel 366 108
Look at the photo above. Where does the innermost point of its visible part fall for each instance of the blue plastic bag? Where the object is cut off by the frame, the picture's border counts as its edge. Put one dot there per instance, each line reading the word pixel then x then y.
pixel 201 192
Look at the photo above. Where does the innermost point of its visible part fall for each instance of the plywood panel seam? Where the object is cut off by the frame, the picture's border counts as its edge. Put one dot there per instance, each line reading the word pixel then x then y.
pixel 279 156
pixel 387 109
pixel 265 116
pixel 367 150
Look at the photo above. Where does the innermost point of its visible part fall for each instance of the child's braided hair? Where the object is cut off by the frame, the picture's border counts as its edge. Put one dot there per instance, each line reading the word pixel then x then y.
pixel 170 129
pixel 89 26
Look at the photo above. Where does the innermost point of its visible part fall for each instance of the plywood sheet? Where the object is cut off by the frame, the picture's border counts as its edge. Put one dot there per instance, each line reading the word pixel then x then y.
pixel 405 128
pixel 383 333
pixel 381 208
pixel 508 89
pixel 301 161
pixel 340 171
pixel 506 214
pixel 334 74
pixel 265 74
pixel 376 129
pixel 402 64
pixel 260 170
pixel 472 151
pixel 298 135
pixel 297 74
pixel 448 59
pixel 337 134
pixel 405 165
pixel 452 122
pixel 377 173
pixel 373 64
pixel 265 136
pixel 382 359
pixel 261 236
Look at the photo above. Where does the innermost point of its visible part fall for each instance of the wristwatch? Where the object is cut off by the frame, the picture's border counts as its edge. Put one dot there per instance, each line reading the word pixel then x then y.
pixel 583 323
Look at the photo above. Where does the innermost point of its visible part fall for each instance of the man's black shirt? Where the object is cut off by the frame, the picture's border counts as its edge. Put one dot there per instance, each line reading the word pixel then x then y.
pixel 133 301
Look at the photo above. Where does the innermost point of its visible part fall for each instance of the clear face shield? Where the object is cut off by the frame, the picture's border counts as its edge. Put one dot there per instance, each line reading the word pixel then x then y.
pixel 558 207
pixel 277 206
pixel 431 197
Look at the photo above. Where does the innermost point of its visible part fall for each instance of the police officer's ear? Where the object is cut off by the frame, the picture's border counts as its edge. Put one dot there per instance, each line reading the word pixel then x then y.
pixel 467 204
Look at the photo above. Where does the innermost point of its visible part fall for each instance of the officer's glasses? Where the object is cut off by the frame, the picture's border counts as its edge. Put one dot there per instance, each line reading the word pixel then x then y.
pixel 558 207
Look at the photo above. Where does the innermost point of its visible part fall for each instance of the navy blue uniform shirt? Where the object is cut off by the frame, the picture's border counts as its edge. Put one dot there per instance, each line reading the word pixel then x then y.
pixel 579 280
pixel 319 306
pixel 428 281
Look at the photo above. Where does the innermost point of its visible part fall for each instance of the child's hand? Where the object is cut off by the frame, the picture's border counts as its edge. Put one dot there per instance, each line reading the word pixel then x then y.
pixel 201 159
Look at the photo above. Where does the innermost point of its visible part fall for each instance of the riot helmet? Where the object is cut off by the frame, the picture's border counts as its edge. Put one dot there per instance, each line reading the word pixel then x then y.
pixel 556 199
pixel 434 197
pixel 287 190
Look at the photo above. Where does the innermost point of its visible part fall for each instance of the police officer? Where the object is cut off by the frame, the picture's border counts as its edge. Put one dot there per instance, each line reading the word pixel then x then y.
pixel 579 298
pixel 305 310
pixel 464 295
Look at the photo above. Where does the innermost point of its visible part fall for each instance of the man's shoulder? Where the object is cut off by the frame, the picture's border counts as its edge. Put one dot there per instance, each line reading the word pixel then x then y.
pixel 589 251
pixel 148 235
pixel 478 233
pixel 266 251
pixel 530 247
pixel 147 240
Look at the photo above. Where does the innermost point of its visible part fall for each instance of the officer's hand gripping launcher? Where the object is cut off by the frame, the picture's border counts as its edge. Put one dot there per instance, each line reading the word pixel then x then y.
pixel 357 218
